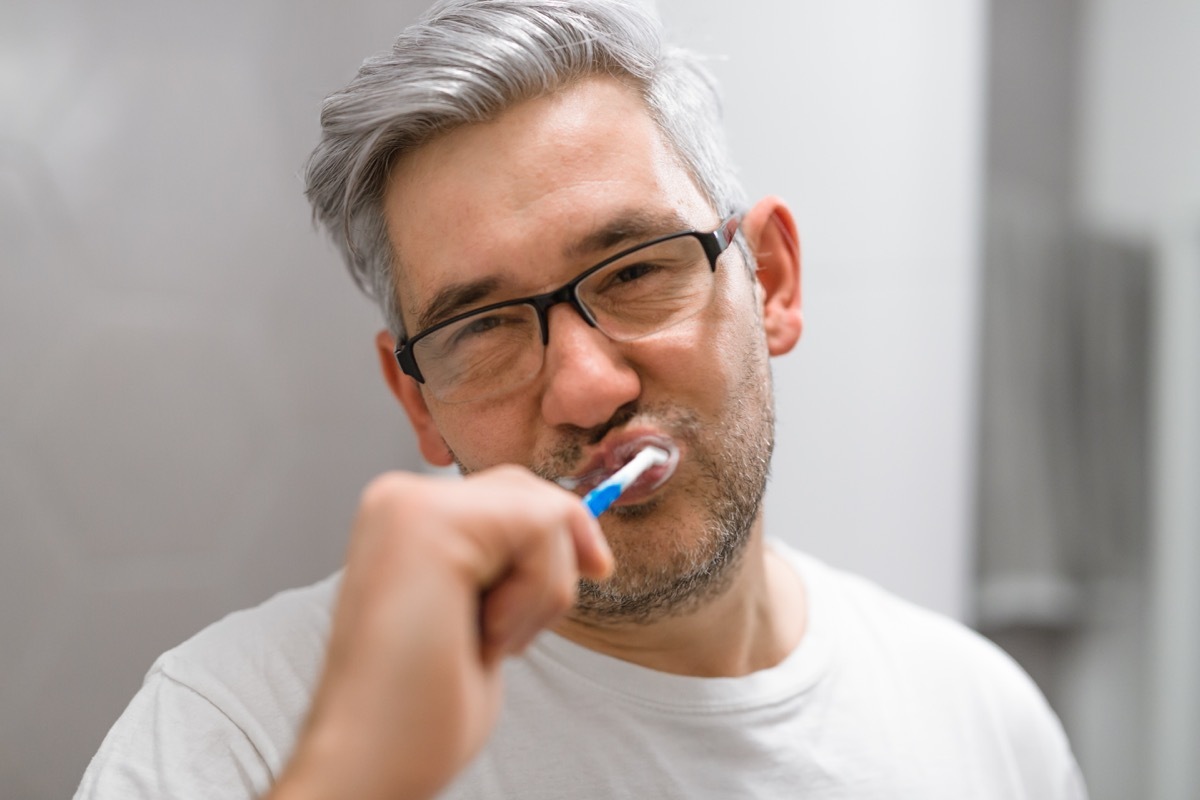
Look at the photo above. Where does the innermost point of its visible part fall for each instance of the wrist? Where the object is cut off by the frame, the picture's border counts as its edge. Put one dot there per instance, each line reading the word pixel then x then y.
pixel 331 765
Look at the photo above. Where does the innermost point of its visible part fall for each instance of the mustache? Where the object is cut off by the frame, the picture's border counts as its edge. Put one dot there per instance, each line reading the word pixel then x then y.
pixel 567 454
pixel 570 451
pixel 622 416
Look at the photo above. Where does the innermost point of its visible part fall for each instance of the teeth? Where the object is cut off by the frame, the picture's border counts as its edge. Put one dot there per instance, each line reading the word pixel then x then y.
pixel 656 454
pixel 569 483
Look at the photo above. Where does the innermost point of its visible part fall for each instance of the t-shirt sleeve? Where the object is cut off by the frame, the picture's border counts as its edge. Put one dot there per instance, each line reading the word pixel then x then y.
pixel 172 742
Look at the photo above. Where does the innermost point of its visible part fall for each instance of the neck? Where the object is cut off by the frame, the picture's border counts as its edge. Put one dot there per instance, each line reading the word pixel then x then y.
pixel 753 624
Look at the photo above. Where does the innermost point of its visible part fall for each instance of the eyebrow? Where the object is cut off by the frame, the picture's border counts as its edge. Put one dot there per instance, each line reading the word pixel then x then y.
pixel 453 298
pixel 629 227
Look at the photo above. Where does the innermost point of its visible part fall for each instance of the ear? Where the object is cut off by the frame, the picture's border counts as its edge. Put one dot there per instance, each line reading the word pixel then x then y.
pixel 770 231
pixel 408 392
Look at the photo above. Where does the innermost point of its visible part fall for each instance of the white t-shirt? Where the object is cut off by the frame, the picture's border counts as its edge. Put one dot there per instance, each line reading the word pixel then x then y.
pixel 881 699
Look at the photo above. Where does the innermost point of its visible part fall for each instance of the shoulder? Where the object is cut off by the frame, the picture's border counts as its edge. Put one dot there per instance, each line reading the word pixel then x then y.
pixel 292 623
pixel 867 617
pixel 943 678
pixel 218 715
pixel 258 666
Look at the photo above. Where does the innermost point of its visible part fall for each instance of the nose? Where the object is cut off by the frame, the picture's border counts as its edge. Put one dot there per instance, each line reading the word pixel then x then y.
pixel 587 378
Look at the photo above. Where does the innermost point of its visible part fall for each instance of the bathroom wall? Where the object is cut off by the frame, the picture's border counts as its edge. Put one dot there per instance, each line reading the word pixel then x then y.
pixel 868 118
pixel 189 392
pixel 189 399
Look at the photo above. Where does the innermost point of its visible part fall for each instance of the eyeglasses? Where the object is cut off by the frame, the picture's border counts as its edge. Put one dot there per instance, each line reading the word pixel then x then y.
pixel 496 349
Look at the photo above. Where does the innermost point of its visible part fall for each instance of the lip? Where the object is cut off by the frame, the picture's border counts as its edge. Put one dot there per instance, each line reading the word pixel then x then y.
pixel 617 450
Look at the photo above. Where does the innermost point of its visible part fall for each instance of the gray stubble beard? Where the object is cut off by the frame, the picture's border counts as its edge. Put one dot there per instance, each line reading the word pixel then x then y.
pixel 730 488
pixel 732 479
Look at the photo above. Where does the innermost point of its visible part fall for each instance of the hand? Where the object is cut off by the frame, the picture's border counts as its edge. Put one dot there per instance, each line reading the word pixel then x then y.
pixel 442 580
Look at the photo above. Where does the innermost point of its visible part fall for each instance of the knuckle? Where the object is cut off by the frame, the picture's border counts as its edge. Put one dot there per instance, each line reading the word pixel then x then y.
pixel 515 474
pixel 387 492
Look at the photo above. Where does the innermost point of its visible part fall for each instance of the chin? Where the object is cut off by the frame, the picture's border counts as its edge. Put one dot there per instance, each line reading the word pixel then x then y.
pixel 667 564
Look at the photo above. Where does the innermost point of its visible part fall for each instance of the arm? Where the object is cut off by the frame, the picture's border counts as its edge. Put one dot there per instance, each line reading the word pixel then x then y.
pixel 442 581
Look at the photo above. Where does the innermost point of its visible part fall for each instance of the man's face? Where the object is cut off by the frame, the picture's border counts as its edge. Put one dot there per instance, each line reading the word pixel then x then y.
pixel 513 206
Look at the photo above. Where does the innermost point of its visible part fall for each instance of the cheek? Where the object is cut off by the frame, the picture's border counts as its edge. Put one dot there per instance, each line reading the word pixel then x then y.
pixel 481 435
pixel 704 356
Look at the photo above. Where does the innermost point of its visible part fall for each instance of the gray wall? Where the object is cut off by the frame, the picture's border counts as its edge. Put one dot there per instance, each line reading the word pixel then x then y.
pixel 189 402
pixel 868 118
pixel 1089 518
pixel 1139 176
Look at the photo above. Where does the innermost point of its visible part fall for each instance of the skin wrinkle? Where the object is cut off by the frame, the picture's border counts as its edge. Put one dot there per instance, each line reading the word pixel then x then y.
pixel 625 230
pixel 404 168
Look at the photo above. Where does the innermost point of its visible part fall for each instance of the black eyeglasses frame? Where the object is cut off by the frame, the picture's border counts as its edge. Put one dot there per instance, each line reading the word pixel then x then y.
pixel 714 243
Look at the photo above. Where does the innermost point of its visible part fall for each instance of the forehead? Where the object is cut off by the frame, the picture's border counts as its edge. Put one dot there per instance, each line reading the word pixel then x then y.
pixel 512 199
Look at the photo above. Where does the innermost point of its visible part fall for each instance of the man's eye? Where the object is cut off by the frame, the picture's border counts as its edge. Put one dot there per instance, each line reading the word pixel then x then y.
pixel 633 272
pixel 490 328
pixel 480 325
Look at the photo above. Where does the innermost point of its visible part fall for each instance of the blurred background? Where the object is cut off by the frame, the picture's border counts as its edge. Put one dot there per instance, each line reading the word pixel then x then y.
pixel 995 409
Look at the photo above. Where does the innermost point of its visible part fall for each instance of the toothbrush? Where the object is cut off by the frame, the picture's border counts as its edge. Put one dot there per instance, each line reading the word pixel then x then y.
pixel 599 499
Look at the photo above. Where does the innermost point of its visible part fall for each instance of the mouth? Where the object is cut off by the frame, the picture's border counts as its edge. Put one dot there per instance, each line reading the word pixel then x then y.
pixel 617 451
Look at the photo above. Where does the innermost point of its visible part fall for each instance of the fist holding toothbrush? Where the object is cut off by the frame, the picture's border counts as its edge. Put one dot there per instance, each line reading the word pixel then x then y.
pixel 442 580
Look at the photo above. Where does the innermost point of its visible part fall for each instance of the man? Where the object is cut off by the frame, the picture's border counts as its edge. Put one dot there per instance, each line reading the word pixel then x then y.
pixel 537 194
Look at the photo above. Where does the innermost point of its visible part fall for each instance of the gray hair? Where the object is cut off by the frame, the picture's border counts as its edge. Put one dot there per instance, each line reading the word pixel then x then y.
pixel 466 61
